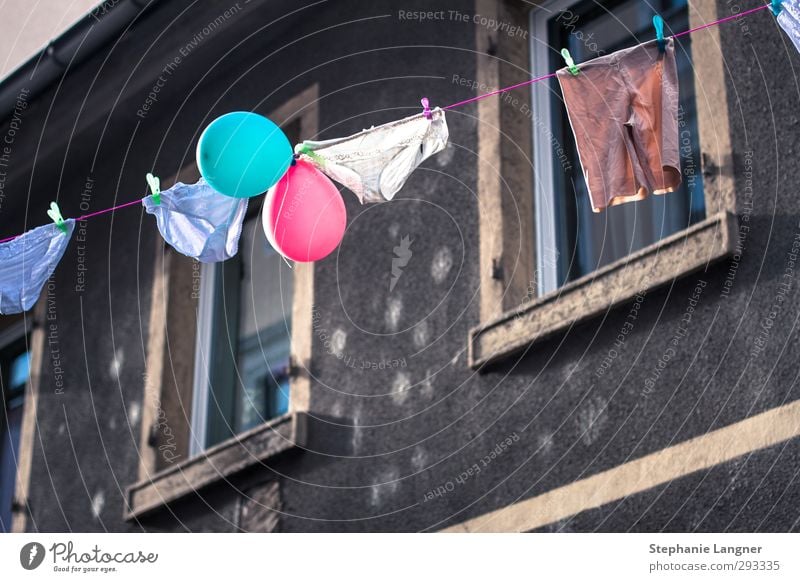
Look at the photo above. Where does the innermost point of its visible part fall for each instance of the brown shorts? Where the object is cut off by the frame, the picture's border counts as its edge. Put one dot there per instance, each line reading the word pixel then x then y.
pixel 623 109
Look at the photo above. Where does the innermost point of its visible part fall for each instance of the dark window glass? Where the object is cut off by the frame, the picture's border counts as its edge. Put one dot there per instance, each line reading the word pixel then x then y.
pixel 14 374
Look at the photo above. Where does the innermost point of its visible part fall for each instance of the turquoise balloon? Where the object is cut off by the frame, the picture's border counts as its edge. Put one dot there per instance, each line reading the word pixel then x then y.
pixel 243 154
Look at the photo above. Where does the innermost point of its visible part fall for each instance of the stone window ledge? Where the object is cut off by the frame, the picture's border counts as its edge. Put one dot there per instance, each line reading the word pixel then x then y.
pixel 681 254
pixel 220 462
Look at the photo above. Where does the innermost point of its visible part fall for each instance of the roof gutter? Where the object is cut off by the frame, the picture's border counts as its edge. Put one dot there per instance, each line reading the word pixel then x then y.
pixel 82 40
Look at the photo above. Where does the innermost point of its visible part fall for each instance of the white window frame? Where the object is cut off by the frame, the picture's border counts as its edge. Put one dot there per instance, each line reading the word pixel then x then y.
pixel 545 207
pixel 201 377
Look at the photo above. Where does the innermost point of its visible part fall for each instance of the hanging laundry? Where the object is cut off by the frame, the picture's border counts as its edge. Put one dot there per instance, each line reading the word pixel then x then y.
pixel 789 19
pixel 27 262
pixel 623 110
pixel 198 221
pixel 376 162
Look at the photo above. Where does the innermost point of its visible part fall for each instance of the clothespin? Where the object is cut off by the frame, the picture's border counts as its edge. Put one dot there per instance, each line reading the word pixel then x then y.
pixel 303 149
pixel 570 63
pixel 776 7
pixel 426 108
pixel 155 187
pixel 55 214
pixel 658 23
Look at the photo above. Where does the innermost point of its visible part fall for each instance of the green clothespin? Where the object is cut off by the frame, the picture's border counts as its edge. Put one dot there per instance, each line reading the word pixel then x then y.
pixel 658 24
pixel 155 187
pixel 776 7
pixel 302 148
pixel 55 214
pixel 570 63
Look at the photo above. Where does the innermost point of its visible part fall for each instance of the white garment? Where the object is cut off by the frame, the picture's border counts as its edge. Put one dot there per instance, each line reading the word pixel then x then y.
pixel 376 162
pixel 198 221
pixel 27 262
pixel 789 19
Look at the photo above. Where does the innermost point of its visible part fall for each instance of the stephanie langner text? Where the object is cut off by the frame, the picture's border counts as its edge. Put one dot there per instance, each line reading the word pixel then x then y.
pixel 705 549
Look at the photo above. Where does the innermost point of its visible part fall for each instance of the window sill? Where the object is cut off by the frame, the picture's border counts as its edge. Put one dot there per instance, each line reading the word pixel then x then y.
pixel 221 461
pixel 681 254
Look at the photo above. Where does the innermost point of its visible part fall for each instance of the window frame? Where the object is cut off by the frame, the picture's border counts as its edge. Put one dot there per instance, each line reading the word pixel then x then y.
pixel 541 101
pixel 202 367
pixel 511 321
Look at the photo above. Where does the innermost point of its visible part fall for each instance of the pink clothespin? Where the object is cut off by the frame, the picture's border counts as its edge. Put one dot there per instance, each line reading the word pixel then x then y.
pixel 426 108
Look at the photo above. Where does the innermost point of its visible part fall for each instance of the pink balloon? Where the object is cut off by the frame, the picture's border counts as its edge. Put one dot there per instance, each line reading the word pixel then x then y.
pixel 304 215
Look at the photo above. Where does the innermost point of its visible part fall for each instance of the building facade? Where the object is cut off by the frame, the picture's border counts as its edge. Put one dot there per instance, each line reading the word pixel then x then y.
pixel 483 353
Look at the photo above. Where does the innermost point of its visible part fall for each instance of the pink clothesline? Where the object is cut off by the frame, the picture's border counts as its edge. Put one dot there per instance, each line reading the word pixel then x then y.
pixel 551 75
pixel 454 105
pixel 721 20
pixel 503 90
pixel 87 216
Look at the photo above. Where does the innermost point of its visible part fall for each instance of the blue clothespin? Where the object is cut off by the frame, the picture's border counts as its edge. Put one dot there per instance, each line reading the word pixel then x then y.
pixel 155 187
pixel 55 214
pixel 426 108
pixel 570 63
pixel 658 23
pixel 776 7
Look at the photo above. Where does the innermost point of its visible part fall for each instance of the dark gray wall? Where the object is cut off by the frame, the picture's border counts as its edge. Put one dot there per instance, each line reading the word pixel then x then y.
pixel 380 440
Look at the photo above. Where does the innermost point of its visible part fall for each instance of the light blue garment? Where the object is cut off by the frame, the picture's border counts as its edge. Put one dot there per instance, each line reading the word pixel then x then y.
pixel 789 19
pixel 26 264
pixel 198 221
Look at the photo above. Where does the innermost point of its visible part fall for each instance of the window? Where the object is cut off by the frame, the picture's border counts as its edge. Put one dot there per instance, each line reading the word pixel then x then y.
pixel 547 261
pixel 14 374
pixel 572 240
pixel 218 395
pixel 243 337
